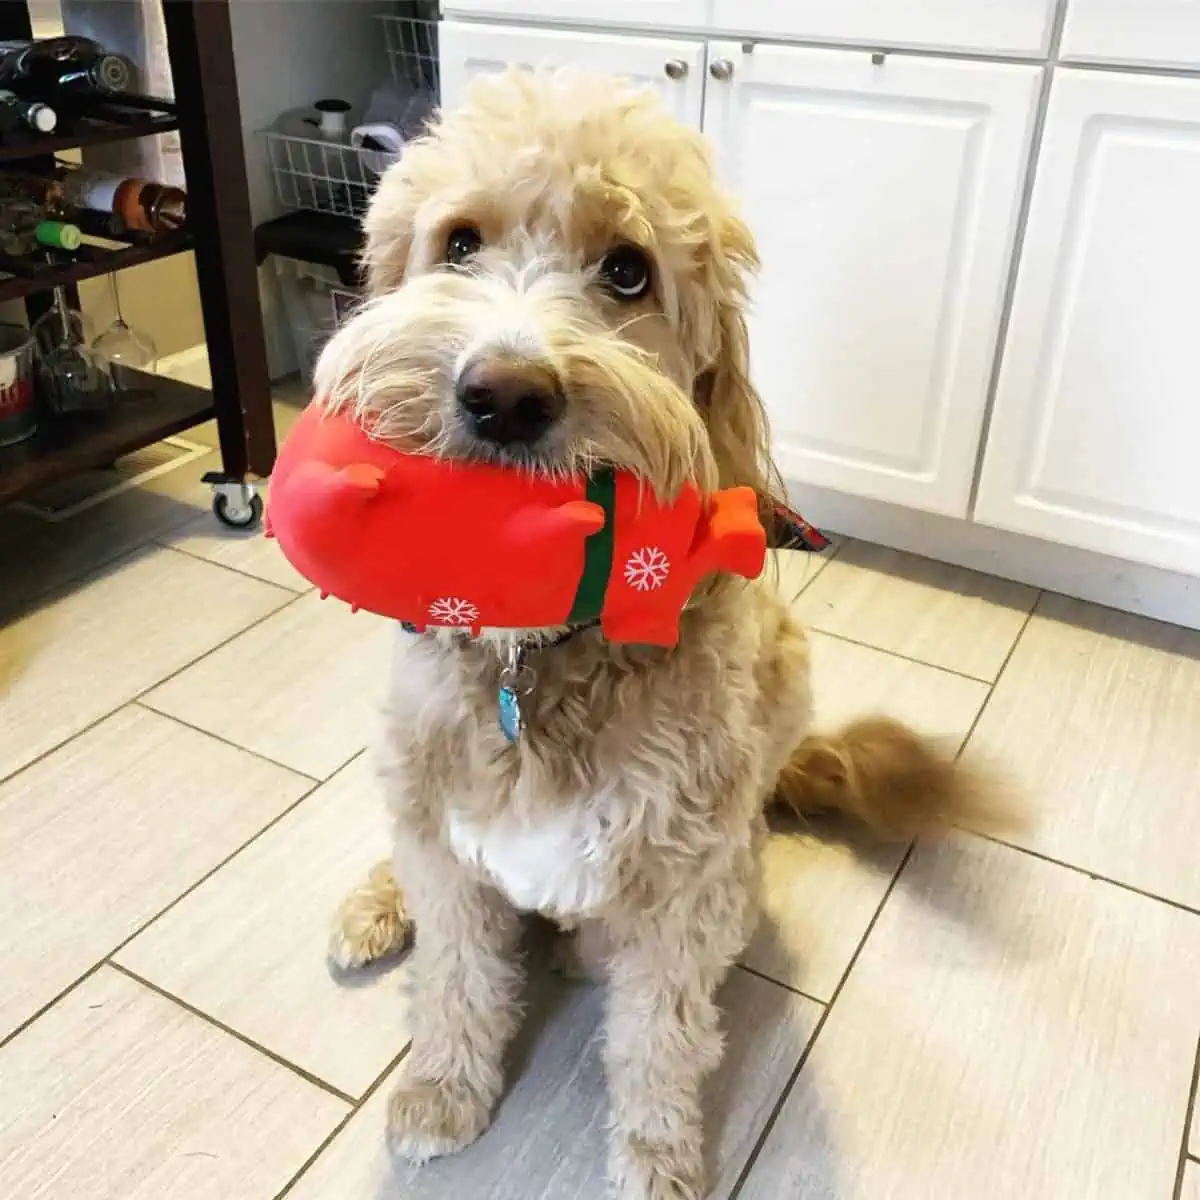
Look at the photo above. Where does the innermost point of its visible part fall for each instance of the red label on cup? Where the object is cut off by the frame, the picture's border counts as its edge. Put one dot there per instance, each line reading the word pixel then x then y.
pixel 16 398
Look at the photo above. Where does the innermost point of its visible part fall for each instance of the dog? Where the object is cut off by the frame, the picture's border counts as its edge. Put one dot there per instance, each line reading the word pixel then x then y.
pixel 556 283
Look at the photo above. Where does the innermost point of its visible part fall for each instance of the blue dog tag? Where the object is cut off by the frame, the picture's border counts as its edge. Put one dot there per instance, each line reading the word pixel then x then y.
pixel 509 713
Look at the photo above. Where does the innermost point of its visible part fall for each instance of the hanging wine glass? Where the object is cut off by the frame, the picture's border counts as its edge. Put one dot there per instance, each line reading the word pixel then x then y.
pixel 120 345
pixel 72 376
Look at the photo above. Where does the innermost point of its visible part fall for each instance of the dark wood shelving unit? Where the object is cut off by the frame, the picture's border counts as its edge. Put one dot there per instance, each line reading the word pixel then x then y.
pixel 144 409
pixel 117 125
pixel 314 237
pixel 147 408
pixel 31 276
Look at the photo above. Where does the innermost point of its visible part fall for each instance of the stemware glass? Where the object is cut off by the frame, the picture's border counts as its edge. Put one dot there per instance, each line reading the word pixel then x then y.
pixel 72 376
pixel 120 345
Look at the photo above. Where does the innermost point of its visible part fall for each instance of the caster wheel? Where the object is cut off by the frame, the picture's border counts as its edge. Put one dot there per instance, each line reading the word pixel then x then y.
pixel 237 514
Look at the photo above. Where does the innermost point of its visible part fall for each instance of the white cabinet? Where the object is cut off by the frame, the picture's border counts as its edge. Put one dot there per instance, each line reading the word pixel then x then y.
pixel 675 66
pixel 969 26
pixel 884 199
pixel 1094 435
pixel 634 14
pixel 1164 33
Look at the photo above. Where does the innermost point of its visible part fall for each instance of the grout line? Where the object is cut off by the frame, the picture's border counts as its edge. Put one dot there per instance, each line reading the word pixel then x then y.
pixel 1000 674
pixel 789 1086
pixel 327 1141
pixel 216 737
pixel 137 697
pixel 14 1033
pixel 787 987
pixel 8 1037
pixel 158 541
pixel 1188 1116
pixel 1078 870
pixel 315 1080
pixel 920 662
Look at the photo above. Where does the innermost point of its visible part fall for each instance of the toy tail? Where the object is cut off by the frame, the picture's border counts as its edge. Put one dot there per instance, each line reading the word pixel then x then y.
pixel 894 781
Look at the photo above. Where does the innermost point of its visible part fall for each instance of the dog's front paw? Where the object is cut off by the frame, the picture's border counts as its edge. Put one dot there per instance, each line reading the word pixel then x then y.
pixel 644 1170
pixel 427 1120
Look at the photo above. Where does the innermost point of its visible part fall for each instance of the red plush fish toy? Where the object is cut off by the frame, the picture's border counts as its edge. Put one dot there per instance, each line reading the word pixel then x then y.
pixel 440 543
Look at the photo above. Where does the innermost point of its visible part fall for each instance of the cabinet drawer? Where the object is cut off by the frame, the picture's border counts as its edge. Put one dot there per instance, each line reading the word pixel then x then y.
pixel 672 66
pixel 981 26
pixel 634 14
pixel 1164 33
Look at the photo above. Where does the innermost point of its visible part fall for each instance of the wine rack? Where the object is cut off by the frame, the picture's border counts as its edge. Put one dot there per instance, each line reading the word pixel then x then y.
pixel 147 408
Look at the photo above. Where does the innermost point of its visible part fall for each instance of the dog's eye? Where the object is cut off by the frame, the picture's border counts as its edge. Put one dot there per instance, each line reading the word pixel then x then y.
pixel 462 244
pixel 625 272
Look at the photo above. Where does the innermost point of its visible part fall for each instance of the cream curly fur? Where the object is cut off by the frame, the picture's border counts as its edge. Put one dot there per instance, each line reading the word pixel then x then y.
pixel 651 767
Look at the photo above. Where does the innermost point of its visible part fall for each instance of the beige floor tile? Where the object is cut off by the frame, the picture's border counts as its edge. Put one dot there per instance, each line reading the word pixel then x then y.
pixel 793 570
pixel 245 550
pixel 548 1141
pixel 1191 1181
pixel 938 614
pixel 1011 1026
pixel 821 888
pixel 96 646
pixel 302 688
pixel 119 1094
pixel 1097 715
pixel 248 946
pixel 105 832
pixel 41 556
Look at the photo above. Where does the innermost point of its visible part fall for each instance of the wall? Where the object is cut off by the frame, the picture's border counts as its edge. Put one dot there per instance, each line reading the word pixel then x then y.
pixel 290 53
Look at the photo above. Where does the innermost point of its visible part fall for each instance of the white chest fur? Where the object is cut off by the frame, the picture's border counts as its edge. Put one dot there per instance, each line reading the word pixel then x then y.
pixel 559 864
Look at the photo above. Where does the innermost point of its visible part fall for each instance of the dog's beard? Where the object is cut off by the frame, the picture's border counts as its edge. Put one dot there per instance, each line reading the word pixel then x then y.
pixel 395 364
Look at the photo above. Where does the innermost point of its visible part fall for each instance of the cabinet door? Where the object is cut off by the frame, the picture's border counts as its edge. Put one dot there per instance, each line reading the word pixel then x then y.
pixel 675 66
pixel 1164 33
pixel 969 26
pixel 1096 424
pixel 654 14
pixel 884 199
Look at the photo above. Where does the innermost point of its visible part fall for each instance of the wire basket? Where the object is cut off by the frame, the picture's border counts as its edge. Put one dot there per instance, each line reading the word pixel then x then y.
pixel 322 175
pixel 410 34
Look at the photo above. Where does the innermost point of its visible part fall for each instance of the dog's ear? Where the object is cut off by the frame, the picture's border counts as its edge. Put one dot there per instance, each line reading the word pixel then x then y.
pixel 389 226
pixel 732 408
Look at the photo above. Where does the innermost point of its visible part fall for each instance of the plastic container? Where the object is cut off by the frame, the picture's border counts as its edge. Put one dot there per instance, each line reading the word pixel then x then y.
pixel 18 417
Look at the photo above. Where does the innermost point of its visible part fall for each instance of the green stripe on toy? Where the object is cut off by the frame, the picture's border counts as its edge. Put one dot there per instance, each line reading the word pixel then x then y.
pixel 598 552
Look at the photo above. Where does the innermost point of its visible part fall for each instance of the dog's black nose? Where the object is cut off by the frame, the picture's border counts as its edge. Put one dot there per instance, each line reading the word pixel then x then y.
pixel 509 401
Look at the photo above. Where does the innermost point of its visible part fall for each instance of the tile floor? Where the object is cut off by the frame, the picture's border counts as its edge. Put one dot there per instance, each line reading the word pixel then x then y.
pixel 184 798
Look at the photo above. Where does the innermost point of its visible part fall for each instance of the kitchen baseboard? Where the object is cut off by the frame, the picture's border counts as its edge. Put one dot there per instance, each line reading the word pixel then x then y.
pixel 1112 582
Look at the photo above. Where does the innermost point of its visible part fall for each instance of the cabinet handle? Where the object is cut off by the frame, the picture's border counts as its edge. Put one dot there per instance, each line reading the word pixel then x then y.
pixel 721 68
pixel 675 68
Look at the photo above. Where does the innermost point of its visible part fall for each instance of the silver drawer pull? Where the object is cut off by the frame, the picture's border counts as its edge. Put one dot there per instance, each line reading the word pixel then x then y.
pixel 675 68
pixel 721 68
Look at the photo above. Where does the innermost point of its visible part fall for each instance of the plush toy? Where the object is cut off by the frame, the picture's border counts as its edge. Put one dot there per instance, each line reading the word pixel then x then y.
pixel 434 542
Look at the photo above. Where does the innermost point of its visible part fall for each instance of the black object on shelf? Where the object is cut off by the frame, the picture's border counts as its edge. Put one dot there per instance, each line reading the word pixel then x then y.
pixel 314 237
pixel 145 408
pixel 76 132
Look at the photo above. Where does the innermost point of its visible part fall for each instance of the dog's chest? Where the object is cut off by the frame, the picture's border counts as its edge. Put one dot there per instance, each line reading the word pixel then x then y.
pixel 559 863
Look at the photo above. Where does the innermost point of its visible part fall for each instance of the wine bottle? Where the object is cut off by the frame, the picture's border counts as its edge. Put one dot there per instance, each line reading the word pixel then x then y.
pixel 30 114
pixel 63 69
pixel 129 204
pixel 25 229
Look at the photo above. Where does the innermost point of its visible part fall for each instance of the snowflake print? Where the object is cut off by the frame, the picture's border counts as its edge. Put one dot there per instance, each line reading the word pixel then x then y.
pixel 647 569
pixel 450 610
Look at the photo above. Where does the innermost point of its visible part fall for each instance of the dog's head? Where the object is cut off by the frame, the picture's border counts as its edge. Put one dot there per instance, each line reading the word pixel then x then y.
pixel 557 282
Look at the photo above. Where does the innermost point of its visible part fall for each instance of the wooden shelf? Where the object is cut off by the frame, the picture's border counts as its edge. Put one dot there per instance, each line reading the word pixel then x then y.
pixel 313 237
pixel 88 261
pixel 148 409
pixel 117 125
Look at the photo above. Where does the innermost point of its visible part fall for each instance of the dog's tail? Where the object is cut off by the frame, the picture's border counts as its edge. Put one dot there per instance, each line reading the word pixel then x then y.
pixel 899 784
